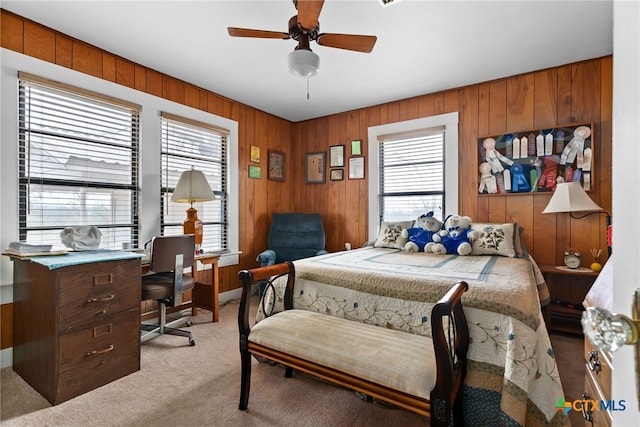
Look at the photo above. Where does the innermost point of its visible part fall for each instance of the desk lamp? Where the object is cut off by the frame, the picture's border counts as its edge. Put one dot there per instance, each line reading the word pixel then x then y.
pixel 192 187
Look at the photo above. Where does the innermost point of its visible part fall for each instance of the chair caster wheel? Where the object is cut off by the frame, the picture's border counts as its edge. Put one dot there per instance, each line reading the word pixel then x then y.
pixel 189 323
pixel 192 342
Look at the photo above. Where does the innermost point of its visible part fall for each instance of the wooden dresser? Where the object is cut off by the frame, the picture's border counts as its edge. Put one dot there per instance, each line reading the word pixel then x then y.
pixel 75 327
pixel 597 381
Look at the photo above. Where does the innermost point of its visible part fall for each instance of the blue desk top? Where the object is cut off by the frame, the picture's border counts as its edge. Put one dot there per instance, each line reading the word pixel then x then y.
pixel 83 257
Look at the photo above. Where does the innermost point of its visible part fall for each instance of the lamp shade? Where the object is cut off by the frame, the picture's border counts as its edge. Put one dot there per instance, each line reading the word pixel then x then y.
pixel 303 63
pixel 192 187
pixel 570 197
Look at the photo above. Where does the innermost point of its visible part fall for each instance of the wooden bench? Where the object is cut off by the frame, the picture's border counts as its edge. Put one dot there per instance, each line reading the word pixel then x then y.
pixel 379 362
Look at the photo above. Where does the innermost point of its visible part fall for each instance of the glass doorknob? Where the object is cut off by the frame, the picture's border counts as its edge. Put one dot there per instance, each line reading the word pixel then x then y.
pixel 609 331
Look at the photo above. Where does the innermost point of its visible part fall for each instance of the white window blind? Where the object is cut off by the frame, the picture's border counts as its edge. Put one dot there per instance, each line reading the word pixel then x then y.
pixel 78 163
pixel 187 143
pixel 411 174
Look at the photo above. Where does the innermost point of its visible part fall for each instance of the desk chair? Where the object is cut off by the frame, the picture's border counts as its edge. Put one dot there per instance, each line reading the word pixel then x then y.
pixel 166 282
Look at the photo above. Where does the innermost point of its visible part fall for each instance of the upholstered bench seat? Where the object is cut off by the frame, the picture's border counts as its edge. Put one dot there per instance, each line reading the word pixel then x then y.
pixel 415 372
pixel 396 359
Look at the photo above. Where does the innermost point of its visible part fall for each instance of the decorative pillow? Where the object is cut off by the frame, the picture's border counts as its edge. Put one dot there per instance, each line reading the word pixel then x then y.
pixel 390 234
pixel 494 239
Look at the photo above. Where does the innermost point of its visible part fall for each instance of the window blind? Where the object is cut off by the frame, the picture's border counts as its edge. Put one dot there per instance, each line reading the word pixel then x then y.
pixel 78 163
pixel 411 174
pixel 187 143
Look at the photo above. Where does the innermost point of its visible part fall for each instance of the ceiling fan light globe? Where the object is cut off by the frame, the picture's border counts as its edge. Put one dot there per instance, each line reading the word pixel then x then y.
pixel 303 63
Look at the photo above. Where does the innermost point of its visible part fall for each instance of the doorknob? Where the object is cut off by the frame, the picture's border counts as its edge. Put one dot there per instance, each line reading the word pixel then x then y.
pixel 610 331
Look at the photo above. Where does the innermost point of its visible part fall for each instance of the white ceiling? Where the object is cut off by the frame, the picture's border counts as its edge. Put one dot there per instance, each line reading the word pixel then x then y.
pixel 423 46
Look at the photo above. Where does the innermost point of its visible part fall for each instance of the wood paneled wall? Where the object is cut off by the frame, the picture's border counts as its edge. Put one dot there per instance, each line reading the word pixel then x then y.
pixel 573 93
pixel 578 92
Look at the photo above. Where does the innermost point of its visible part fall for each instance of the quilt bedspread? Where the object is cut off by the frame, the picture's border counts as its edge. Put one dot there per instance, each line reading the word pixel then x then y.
pixel 512 377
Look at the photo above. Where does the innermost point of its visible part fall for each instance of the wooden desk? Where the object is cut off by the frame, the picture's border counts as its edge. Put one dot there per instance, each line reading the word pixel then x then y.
pixel 204 295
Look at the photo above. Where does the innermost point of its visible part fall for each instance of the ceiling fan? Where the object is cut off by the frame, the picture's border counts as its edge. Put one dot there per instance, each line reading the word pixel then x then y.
pixel 304 27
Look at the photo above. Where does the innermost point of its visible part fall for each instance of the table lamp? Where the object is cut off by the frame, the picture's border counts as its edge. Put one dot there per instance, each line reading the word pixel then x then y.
pixel 192 187
pixel 571 197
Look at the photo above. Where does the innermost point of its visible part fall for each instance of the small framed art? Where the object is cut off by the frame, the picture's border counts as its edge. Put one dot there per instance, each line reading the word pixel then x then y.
pixel 255 172
pixel 336 156
pixel 337 174
pixel 356 147
pixel 276 165
pixel 356 167
pixel 315 168
pixel 255 154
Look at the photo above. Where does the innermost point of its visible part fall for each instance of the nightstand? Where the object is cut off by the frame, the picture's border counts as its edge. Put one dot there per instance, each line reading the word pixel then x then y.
pixel 568 288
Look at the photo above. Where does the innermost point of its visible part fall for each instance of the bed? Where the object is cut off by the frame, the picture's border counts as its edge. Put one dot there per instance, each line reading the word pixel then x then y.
pixel 512 375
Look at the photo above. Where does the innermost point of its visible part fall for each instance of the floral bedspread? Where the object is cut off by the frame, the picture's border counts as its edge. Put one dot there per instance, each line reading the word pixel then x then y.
pixel 512 377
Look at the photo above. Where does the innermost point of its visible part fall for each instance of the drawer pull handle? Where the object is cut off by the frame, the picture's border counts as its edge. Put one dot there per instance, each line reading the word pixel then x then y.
pixel 594 361
pixel 587 413
pixel 97 352
pixel 102 299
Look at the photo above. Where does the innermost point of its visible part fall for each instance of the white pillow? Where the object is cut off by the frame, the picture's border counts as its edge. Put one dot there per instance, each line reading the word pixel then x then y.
pixel 494 239
pixel 389 234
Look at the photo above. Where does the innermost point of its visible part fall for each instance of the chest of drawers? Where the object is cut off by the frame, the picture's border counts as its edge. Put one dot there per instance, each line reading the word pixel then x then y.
pixel 597 384
pixel 77 327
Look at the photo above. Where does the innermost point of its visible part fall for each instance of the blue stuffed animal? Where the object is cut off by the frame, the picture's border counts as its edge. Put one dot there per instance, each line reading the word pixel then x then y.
pixel 424 227
pixel 455 237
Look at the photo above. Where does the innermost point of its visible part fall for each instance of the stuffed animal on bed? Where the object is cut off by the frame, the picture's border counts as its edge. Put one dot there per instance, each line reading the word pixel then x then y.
pixel 455 237
pixel 421 233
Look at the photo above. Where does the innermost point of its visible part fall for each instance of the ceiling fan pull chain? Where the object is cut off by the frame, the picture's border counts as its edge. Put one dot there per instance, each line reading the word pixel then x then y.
pixel 307 88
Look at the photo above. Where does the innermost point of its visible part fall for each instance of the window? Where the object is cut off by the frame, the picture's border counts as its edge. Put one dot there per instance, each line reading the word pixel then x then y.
pixel 77 162
pixel 413 169
pixel 185 144
pixel 411 174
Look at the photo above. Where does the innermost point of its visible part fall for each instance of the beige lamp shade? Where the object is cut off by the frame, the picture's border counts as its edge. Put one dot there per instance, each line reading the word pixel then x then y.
pixel 192 187
pixel 571 197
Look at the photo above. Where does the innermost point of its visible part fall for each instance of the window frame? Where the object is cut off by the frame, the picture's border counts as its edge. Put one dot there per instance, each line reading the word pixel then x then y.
pixel 149 222
pixel 167 120
pixel 450 123
pixel 103 107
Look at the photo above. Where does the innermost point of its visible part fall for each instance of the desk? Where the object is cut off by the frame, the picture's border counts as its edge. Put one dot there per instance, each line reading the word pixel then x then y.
pixel 204 295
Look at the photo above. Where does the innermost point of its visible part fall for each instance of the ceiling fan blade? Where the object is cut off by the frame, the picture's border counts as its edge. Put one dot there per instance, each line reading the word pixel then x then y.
pixel 355 42
pixel 308 13
pixel 262 34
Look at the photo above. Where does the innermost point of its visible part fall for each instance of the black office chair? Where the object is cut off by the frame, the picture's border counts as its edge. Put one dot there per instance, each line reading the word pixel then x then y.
pixel 166 282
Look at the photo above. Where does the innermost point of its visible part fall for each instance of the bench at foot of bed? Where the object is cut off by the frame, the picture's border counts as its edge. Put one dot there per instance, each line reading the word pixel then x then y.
pixel 415 372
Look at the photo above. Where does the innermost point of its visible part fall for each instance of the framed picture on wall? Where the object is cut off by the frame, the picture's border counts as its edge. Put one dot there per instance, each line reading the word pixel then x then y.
pixel 315 168
pixel 276 165
pixel 255 154
pixel 255 172
pixel 356 147
pixel 336 156
pixel 356 167
pixel 337 174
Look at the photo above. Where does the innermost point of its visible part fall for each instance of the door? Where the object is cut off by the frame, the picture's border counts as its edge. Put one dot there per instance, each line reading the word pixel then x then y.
pixel 626 192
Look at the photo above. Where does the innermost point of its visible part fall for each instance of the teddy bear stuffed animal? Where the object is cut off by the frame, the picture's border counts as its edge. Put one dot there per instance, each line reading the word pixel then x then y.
pixel 421 233
pixel 455 237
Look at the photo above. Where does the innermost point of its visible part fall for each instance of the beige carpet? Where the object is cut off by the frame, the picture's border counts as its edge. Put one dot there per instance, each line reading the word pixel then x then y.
pixel 180 385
